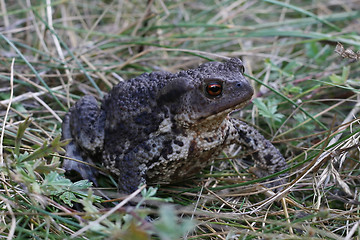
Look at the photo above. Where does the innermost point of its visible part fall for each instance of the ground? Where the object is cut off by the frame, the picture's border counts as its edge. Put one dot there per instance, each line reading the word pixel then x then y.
pixel 305 102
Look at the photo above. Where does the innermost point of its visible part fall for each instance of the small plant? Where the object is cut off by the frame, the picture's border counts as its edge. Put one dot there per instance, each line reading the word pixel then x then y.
pixel 32 170
pixel 269 110
pixel 42 186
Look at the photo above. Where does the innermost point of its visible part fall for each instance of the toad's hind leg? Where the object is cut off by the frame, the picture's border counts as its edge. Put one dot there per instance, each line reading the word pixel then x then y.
pixel 268 160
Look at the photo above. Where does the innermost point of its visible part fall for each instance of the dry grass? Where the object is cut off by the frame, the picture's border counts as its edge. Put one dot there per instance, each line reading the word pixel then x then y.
pixel 66 49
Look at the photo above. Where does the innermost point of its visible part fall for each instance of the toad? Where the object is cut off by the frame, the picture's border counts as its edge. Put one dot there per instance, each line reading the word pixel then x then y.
pixel 163 127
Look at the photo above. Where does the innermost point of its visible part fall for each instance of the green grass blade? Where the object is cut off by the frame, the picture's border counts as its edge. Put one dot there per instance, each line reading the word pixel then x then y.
pixel 33 70
pixel 289 100
pixel 302 11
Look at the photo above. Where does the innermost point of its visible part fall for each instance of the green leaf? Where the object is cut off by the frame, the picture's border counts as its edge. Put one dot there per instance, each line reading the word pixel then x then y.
pixel 336 79
pixel 45 149
pixel 169 227
pixel 58 185
pixel 148 193
pixel 87 201
pixel 291 89
pixel 268 110
pixel 54 184
pixel 345 73
pixel 43 167
pixel 278 69
pixel 20 133
pixel 82 184
pixel 68 198
pixel 341 80
pixel 311 49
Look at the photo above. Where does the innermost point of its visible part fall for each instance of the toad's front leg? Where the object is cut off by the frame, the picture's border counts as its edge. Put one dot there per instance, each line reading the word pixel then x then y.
pixel 83 125
pixel 268 160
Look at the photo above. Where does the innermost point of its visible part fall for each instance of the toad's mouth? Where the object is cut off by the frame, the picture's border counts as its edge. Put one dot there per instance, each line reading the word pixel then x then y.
pixel 221 112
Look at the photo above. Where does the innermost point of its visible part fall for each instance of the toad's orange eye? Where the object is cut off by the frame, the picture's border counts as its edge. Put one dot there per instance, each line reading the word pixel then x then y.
pixel 214 89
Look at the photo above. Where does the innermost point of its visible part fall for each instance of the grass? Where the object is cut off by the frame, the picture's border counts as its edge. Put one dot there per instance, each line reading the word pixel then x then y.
pixel 306 102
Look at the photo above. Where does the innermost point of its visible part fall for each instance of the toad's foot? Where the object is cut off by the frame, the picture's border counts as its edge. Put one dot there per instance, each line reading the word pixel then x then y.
pixel 268 160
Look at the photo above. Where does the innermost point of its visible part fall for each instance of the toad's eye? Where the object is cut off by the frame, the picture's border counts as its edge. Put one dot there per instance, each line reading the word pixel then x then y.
pixel 242 69
pixel 214 89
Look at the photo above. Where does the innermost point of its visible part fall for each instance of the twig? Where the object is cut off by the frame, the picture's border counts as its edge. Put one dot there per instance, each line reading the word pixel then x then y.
pixel 48 108
pixel 57 43
pixel 7 112
pixel 13 219
pixel 28 95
